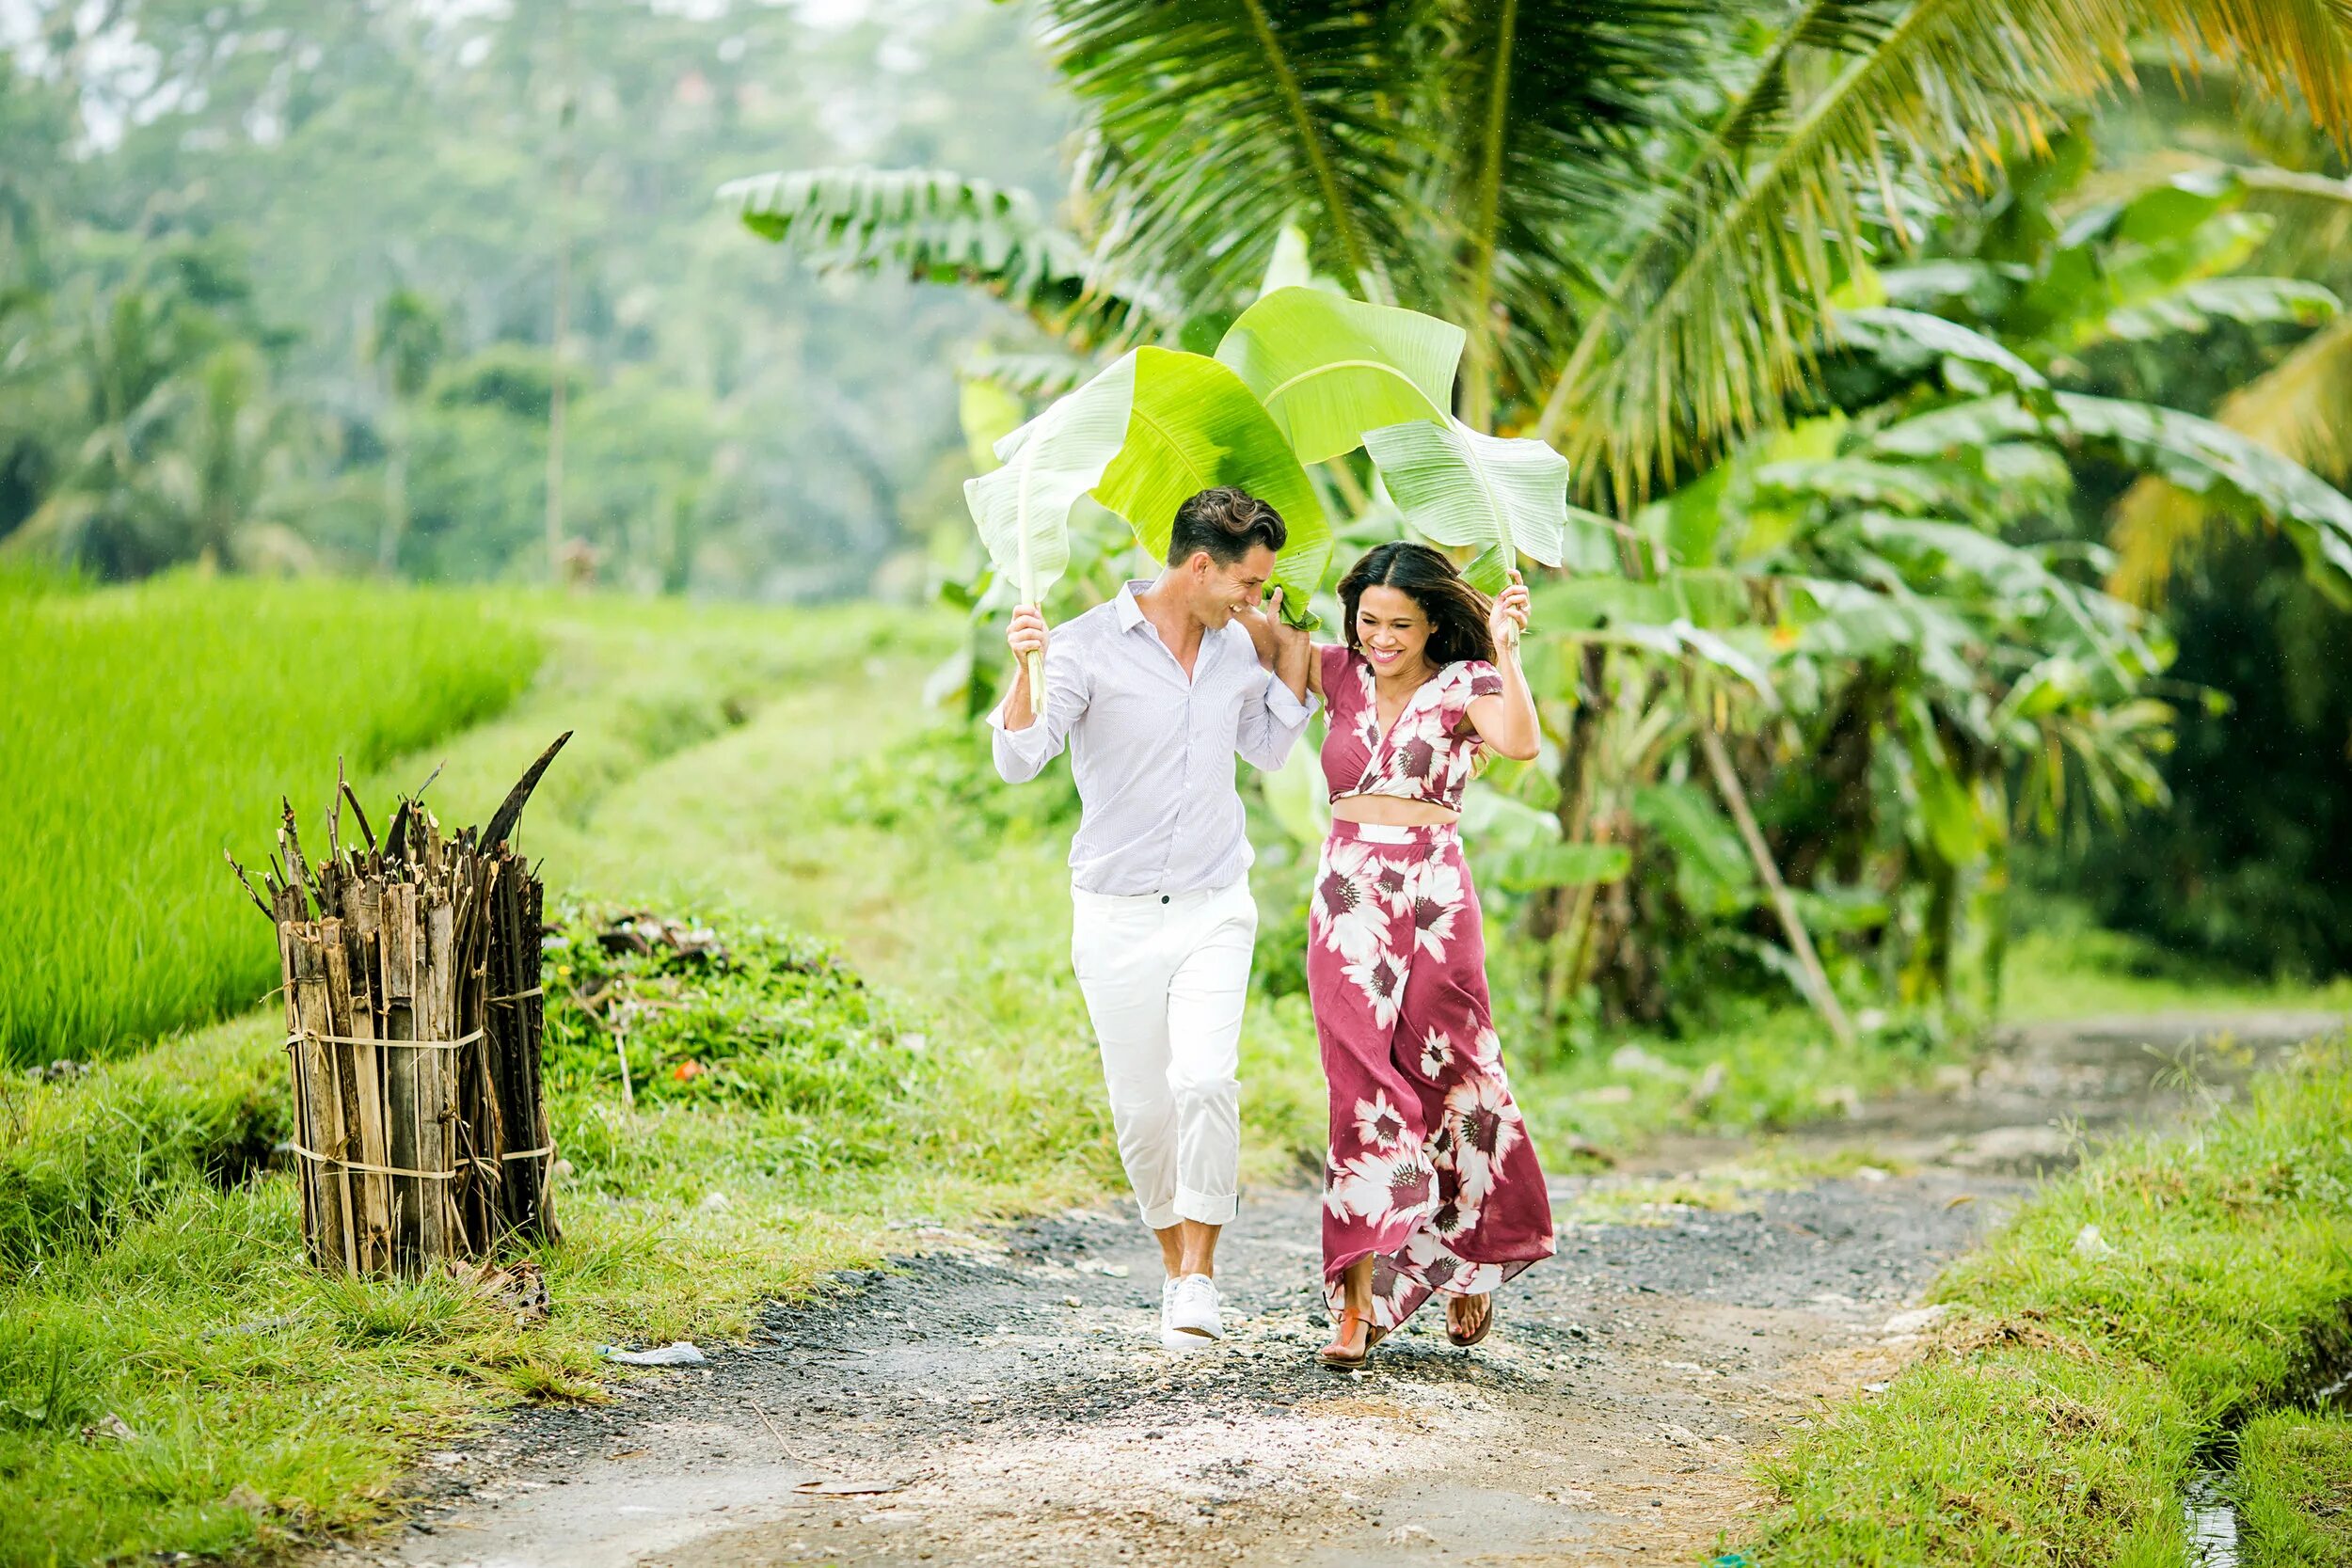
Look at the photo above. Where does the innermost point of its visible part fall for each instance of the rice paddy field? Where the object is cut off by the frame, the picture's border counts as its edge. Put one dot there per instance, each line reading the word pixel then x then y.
pixel 146 728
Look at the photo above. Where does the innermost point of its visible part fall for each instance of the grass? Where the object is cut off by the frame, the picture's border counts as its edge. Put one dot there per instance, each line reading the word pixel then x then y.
pixel 2129 1315
pixel 897 1044
pixel 934 1070
pixel 146 727
pixel 2294 1490
pixel 2065 968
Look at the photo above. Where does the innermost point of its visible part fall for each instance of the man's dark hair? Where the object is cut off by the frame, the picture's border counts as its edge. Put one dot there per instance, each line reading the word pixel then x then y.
pixel 1226 523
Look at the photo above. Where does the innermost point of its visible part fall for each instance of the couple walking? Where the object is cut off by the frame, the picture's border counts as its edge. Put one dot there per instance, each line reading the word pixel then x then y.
pixel 1430 1187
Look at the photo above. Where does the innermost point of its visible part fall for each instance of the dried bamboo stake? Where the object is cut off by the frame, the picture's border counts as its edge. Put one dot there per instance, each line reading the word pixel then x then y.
pixel 333 1147
pixel 363 1100
pixel 442 1016
pixel 306 1134
pixel 415 1021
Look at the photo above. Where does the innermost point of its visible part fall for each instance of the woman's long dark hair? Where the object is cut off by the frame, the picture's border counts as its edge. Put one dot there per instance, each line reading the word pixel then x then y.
pixel 1457 612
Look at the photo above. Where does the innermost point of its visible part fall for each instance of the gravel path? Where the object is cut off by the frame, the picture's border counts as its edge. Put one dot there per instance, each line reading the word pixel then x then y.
pixel 1003 1399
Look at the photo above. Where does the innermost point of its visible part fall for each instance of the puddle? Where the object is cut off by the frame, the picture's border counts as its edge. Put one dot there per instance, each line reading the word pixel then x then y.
pixel 2207 1508
pixel 2211 1520
pixel 2045 1089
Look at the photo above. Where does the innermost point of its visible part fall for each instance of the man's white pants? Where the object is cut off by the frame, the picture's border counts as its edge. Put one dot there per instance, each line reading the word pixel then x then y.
pixel 1165 979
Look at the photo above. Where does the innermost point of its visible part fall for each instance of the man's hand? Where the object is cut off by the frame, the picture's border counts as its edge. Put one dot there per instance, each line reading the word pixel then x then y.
pixel 1025 637
pixel 1027 634
pixel 1292 649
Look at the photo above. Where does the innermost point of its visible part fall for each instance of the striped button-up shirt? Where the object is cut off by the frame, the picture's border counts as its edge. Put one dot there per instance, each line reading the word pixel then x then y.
pixel 1151 751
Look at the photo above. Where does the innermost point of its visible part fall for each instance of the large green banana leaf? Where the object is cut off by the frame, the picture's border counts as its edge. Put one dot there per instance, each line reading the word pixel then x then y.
pixel 1328 368
pixel 1505 496
pixel 1023 509
pixel 1193 426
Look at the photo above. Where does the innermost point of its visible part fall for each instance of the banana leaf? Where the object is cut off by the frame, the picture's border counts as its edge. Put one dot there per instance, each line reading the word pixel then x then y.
pixel 1196 425
pixel 1023 509
pixel 1508 497
pixel 1328 368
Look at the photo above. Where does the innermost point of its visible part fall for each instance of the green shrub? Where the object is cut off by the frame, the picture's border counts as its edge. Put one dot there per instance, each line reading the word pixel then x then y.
pixel 744 1017
pixel 83 1157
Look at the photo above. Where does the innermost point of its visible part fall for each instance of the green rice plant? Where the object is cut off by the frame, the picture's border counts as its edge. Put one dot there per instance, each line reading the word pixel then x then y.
pixel 145 728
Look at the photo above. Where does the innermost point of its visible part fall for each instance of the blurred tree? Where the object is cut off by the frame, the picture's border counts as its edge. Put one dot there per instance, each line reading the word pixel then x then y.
pixel 358 150
pixel 404 347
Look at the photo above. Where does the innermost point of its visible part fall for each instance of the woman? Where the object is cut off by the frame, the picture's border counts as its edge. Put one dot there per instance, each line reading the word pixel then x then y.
pixel 1432 1185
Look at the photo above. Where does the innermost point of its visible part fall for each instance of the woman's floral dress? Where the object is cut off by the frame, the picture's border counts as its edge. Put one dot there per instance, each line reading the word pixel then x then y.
pixel 1430 1172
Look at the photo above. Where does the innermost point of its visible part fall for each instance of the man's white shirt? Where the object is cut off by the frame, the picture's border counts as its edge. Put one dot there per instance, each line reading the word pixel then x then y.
pixel 1151 751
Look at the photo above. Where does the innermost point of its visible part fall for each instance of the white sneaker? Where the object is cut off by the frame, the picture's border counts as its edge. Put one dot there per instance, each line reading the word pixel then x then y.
pixel 1190 1319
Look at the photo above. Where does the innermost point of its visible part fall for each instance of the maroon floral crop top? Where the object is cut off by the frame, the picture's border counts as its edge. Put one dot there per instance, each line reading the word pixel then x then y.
pixel 1422 757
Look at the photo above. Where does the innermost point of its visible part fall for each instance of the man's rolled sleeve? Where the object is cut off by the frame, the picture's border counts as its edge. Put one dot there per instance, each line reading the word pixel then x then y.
pixel 1272 723
pixel 1022 755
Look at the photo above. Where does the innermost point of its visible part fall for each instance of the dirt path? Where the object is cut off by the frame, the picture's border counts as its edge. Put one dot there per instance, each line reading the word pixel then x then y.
pixel 1006 1400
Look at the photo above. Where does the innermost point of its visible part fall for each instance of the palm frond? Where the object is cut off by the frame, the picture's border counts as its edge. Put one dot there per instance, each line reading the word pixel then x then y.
pixel 936 227
pixel 1217 122
pixel 1037 376
pixel 2295 183
pixel 2302 409
pixel 1711 329
pixel 2286 50
pixel 1545 106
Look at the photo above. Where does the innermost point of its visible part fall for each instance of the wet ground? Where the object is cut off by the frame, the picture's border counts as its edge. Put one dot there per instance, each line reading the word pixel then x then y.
pixel 1003 1399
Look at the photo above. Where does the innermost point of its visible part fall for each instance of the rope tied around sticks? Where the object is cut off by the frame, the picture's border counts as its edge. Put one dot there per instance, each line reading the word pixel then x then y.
pixel 458 1044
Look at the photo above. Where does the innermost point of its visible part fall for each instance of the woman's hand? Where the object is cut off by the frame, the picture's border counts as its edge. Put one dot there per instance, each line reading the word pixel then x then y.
pixel 1509 616
pixel 1293 652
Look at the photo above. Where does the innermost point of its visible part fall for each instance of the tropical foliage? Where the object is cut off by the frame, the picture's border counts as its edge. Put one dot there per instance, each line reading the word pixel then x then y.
pixel 1830 261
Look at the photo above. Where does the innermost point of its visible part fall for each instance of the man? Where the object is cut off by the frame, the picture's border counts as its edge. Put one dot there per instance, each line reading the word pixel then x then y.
pixel 1155 691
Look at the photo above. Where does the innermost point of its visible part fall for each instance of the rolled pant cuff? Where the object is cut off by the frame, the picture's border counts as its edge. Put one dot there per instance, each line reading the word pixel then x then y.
pixel 1159 1217
pixel 1205 1210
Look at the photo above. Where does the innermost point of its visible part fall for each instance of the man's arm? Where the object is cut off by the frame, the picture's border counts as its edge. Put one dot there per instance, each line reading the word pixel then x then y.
pixel 1274 719
pixel 1025 741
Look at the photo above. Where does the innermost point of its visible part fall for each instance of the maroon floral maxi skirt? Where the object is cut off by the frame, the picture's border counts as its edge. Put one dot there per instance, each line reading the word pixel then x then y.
pixel 1430 1172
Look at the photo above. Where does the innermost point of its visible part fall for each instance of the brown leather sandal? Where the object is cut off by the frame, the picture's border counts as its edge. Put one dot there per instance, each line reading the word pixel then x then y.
pixel 1342 1362
pixel 1454 1337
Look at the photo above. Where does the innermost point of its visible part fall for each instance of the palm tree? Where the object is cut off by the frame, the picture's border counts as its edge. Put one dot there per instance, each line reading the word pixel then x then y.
pixel 1640 217
pixel 1646 214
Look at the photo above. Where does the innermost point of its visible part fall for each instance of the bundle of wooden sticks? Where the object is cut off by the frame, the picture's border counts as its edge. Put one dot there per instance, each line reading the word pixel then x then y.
pixel 413 1022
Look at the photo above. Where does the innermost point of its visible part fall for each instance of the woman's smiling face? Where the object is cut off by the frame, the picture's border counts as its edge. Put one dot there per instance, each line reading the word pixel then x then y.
pixel 1390 629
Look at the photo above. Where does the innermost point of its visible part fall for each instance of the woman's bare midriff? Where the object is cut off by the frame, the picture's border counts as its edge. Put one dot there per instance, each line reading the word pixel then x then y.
pixel 1389 811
